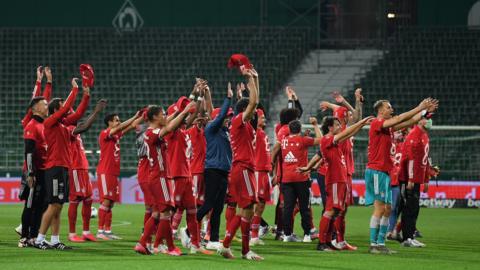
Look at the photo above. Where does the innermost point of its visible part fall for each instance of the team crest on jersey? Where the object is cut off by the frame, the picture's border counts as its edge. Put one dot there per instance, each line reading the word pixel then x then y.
pixel 290 157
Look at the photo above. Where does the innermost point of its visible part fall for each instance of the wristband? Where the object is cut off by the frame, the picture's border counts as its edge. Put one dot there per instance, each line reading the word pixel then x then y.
pixel 200 99
pixel 191 96
pixel 424 113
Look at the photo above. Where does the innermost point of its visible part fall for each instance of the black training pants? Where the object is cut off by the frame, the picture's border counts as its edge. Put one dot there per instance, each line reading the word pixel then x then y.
pixel 216 182
pixel 411 207
pixel 291 193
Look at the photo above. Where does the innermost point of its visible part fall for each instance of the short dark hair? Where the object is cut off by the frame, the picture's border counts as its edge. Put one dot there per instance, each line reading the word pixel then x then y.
pixel 327 122
pixel 241 105
pixel 109 117
pixel 295 127
pixel 378 104
pixel 287 115
pixel 54 104
pixel 35 100
pixel 152 111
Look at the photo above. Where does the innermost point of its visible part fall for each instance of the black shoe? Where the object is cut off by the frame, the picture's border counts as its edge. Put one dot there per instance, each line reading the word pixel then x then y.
pixel 323 247
pixel 61 246
pixel 23 243
pixel 44 245
pixel 384 250
pixel 418 234
pixel 279 236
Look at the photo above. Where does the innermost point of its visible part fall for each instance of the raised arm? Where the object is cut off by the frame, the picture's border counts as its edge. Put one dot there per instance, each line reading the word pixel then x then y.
pixel 125 126
pixel 177 121
pixel 81 109
pixel 47 92
pixel 318 133
pixel 425 104
pixel 252 97
pixel 36 92
pixel 341 100
pixel 352 130
pixel 67 105
pixel 84 126
pixel 293 101
pixel 217 123
pixel 357 113
pixel 325 105
pixel 208 101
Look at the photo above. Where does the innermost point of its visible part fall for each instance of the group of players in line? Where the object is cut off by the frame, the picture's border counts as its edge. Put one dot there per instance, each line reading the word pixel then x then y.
pixel 195 159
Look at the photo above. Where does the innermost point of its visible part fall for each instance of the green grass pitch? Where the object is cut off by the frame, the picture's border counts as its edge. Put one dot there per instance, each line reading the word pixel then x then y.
pixel 452 237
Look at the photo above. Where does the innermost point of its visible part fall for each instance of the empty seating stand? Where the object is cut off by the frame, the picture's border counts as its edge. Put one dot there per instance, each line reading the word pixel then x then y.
pixel 152 66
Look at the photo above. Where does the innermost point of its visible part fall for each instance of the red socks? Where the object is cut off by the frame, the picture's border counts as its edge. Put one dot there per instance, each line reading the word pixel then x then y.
pixel 177 218
pixel 72 215
pixel 229 214
pixel 146 216
pixel 148 230
pixel 86 213
pixel 340 228
pixel 102 212
pixel 245 228
pixel 255 225
pixel 324 229
pixel 192 225
pixel 231 231
pixel 166 232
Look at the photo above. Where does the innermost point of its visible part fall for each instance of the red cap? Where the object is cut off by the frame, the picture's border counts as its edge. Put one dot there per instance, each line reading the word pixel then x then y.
pixel 87 75
pixel 260 113
pixel 237 60
pixel 172 109
pixel 340 112
pixel 216 111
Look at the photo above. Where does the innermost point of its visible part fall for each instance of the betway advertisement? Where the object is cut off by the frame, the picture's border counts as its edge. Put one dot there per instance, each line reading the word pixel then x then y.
pixel 441 194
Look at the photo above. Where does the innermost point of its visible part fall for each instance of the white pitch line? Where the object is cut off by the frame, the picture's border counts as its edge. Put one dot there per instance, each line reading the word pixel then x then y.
pixel 122 223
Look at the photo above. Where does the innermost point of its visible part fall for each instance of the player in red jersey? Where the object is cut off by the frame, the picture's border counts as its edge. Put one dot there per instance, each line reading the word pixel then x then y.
pixel 32 185
pixel 108 170
pixel 242 186
pixel 413 173
pixel 295 185
pixel 57 137
pixel 161 188
pixel 281 130
pixel 398 139
pixel 263 167
pixel 79 179
pixel 377 179
pixel 143 168
pixel 336 177
pixel 347 115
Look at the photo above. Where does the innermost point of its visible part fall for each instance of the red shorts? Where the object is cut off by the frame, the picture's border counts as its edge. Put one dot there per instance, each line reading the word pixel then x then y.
pixel 199 188
pixel 263 186
pixel 148 198
pixel 336 196
pixel 243 186
pixel 108 187
pixel 349 196
pixel 143 170
pixel 183 193
pixel 162 194
pixel 80 185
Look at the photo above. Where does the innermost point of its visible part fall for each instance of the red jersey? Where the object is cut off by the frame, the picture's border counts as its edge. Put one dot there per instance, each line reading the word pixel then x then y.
pixel 322 169
pixel 294 155
pixel 347 149
pixel 34 131
pixel 397 157
pixel 47 93
pixel 335 159
pixel 199 149
pixel 58 136
pixel 178 158
pixel 109 162
pixel 415 152
pixel 79 159
pixel 242 137
pixel 262 152
pixel 156 154
pixel 380 147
